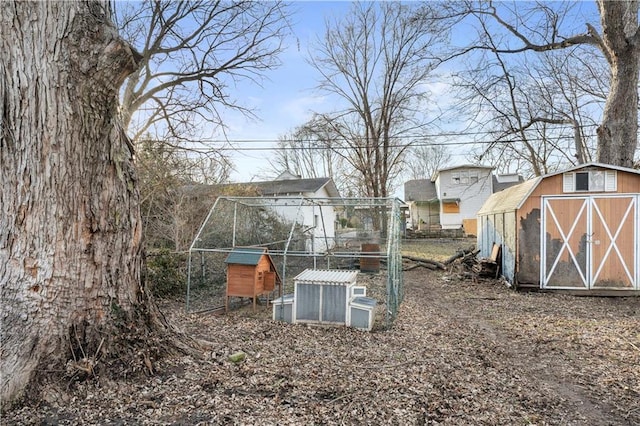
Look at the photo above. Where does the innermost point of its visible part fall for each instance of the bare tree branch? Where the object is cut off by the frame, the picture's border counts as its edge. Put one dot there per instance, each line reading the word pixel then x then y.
pixel 193 51
pixel 375 61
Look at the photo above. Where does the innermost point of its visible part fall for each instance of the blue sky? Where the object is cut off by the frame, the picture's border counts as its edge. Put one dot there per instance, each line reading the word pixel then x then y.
pixel 286 98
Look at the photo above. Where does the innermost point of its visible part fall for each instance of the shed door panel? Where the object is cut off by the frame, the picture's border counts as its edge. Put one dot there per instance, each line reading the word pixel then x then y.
pixel 565 235
pixel 590 242
pixel 613 237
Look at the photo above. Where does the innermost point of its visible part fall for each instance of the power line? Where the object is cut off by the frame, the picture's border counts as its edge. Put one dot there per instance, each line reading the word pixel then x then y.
pixel 414 141
pixel 348 147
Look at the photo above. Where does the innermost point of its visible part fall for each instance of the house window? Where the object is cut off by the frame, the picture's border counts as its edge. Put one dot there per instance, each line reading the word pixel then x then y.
pixel 464 177
pixel 455 178
pixel 590 181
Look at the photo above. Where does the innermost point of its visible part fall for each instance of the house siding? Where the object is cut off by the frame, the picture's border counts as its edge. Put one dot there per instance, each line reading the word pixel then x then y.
pixel 471 196
pixel 323 234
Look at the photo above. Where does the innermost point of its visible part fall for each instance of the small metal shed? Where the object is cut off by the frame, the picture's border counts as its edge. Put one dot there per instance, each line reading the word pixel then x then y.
pixel 322 296
pixel 577 229
pixel 283 308
pixel 250 273
pixel 361 312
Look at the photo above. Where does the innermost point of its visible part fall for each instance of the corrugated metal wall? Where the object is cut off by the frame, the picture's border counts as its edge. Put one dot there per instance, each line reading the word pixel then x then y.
pixel 500 228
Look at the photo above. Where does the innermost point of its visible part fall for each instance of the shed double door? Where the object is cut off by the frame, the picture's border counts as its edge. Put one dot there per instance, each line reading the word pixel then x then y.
pixel 590 242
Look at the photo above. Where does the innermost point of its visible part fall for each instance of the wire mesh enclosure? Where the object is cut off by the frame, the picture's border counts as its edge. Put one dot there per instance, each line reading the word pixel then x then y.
pixel 299 233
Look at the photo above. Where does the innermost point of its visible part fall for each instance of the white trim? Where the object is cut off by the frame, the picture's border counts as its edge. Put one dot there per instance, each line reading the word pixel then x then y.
pixel 544 279
pixel 610 180
pixel 568 182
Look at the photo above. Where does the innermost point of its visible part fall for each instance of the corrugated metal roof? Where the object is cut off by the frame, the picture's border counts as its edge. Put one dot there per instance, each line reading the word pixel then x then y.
pixel 284 299
pixel 327 276
pixel 245 255
pixel 509 199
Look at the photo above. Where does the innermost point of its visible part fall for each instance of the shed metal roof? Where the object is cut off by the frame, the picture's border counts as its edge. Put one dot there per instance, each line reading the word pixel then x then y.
pixel 327 276
pixel 245 255
pixel 509 199
pixel 362 301
pixel 594 164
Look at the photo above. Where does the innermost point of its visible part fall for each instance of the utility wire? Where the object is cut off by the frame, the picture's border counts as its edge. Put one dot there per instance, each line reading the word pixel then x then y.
pixel 320 147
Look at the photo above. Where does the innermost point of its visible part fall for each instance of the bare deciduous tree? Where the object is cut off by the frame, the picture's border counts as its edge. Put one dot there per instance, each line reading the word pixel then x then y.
pixel 70 228
pixel 617 40
pixel 529 109
pixel 309 152
pixel 175 190
pixel 376 62
pixel 424 160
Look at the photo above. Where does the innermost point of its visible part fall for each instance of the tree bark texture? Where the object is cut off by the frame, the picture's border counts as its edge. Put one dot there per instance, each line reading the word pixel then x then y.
pixel 70 228
pixel 617 135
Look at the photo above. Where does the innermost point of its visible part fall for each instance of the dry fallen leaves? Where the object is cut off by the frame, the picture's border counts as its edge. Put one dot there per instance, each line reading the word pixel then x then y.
pixel 459 353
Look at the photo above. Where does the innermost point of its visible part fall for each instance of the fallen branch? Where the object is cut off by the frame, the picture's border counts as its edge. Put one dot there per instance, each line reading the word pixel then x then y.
pixel 628 341
pixel 461 253
pixel 421 264
pixel 438 265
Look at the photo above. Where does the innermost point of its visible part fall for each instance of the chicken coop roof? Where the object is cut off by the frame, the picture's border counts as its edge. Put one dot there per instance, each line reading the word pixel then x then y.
pixel 245 255
pixel 327 276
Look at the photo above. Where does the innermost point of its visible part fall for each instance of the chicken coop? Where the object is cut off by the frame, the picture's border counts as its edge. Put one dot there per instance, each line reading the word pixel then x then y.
pixel 250 273
pixel 296 233
pixel 322 296
pixel 327 297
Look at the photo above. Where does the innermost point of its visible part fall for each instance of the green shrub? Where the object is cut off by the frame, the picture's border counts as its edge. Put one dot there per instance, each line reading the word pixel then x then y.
pixel 166 273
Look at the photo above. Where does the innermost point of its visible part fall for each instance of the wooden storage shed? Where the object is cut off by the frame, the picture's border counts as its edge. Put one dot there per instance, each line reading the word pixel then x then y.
pixel 577 229
pixel 250 273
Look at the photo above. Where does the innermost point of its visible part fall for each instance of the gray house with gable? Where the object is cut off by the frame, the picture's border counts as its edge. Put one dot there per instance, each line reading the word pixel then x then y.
pixel 452 197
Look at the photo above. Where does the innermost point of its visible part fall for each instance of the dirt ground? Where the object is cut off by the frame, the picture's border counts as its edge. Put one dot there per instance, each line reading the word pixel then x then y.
pixel 460 353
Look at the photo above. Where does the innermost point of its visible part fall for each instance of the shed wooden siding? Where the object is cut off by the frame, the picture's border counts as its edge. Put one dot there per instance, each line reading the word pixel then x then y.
pixel 578 240
pixel 614 268
pixel 528 222
pixel 567 208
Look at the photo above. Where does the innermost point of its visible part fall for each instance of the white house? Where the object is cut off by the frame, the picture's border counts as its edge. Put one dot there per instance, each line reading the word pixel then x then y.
pixel 462 190
pixel 316 217
pixel 453 196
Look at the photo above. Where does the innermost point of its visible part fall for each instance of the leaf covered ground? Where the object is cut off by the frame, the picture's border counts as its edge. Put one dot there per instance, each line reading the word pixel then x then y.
pixel 462 352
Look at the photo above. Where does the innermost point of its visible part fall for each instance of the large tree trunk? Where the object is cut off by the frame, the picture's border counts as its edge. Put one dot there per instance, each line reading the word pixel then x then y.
pixel 618 133
pixel 70 228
